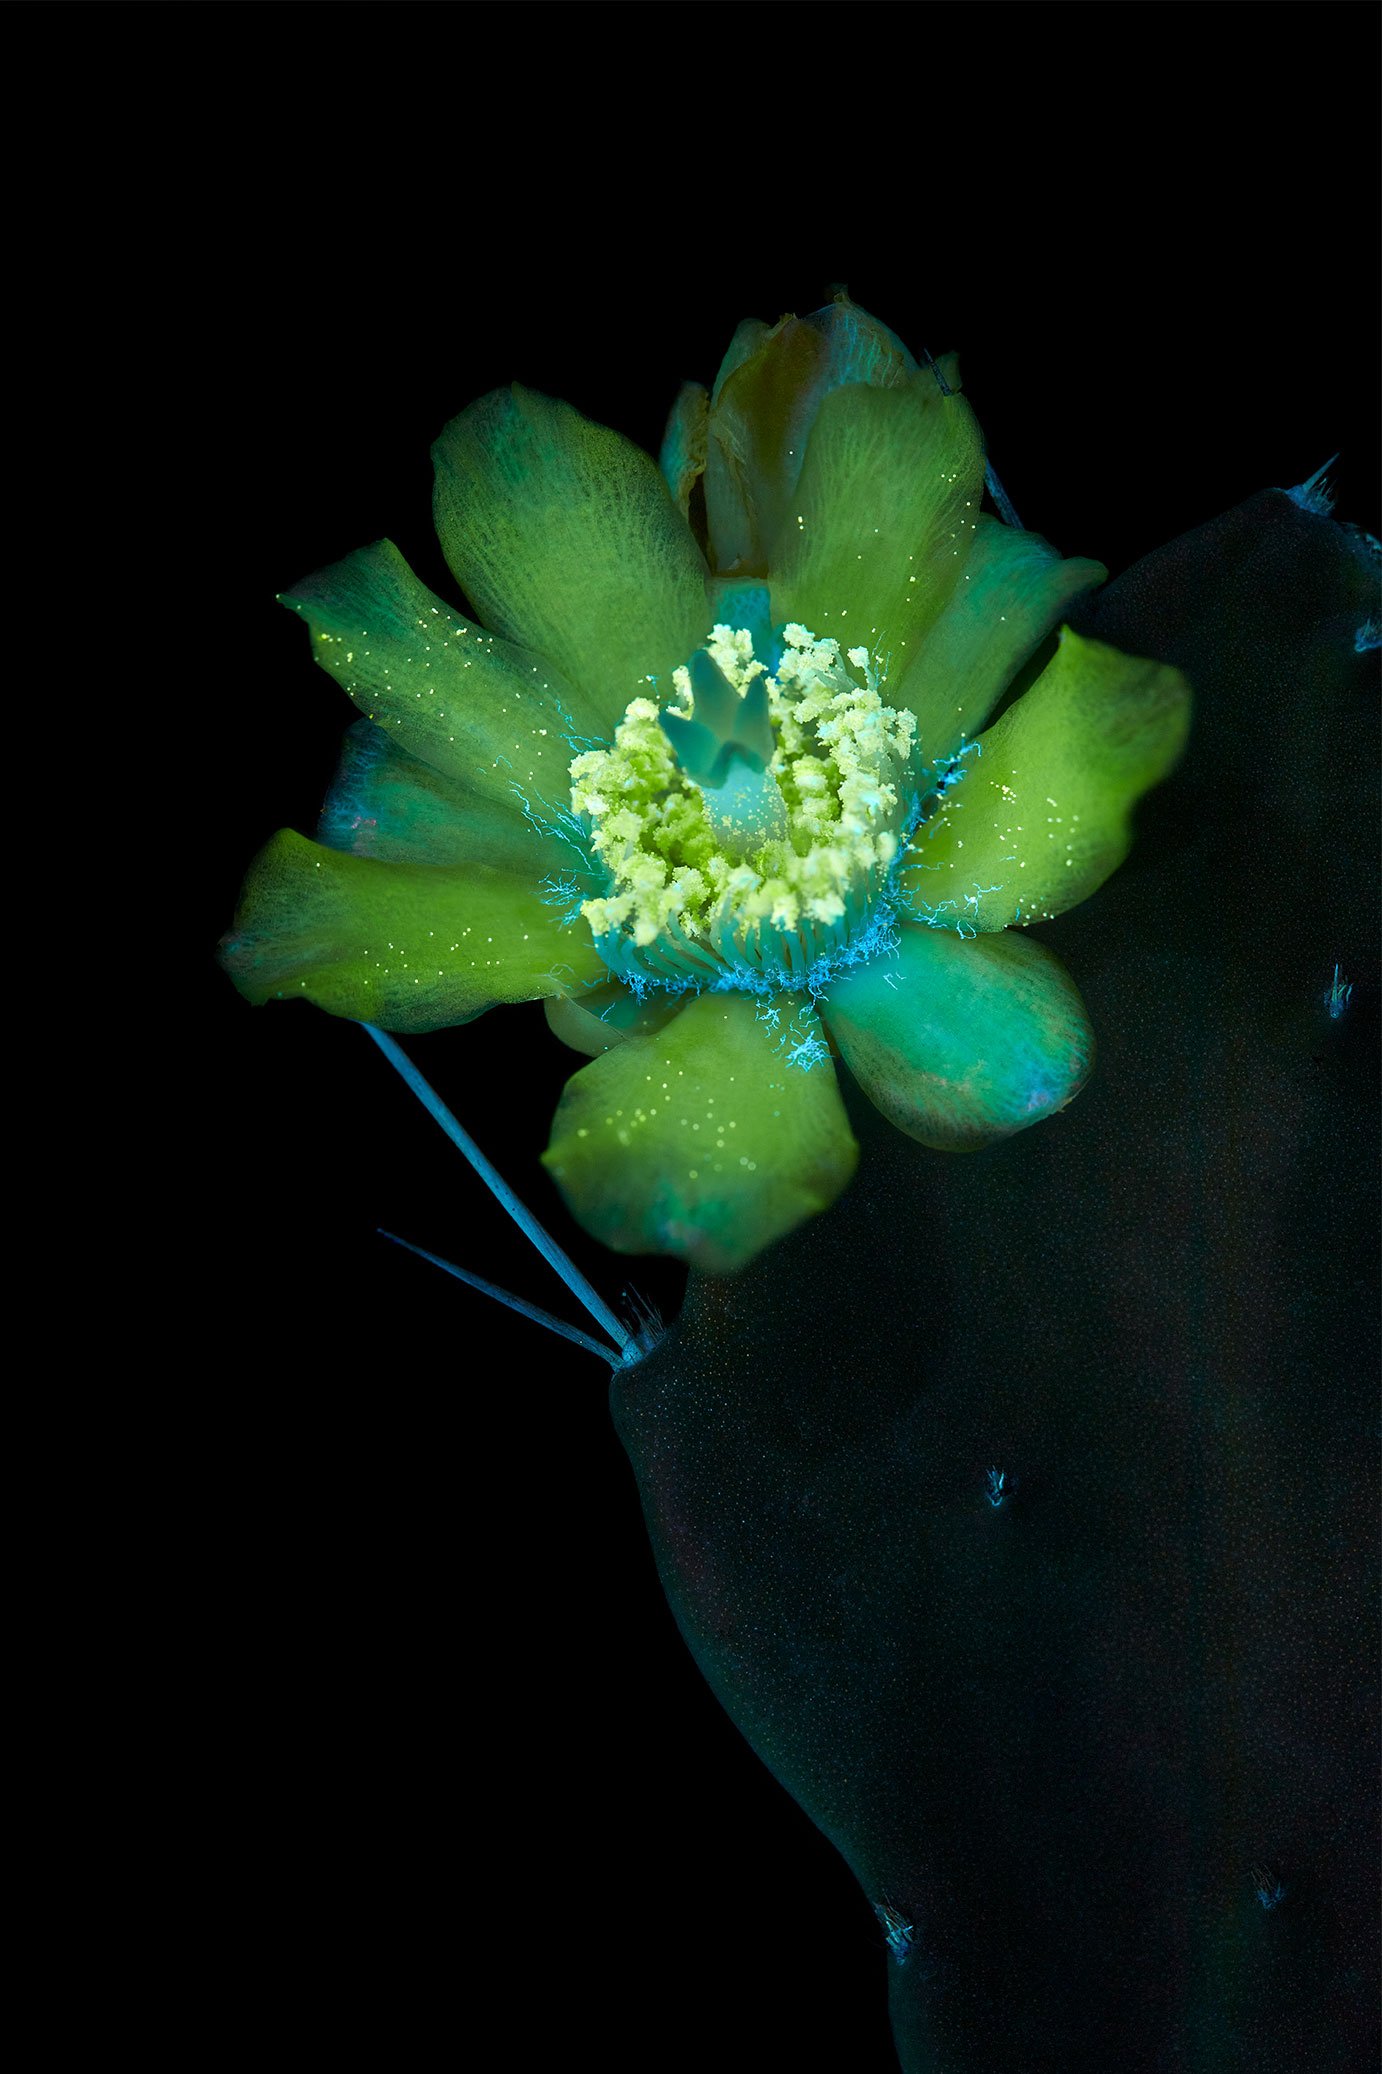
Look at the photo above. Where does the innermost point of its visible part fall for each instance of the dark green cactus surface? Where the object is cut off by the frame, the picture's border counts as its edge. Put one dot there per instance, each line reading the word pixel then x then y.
pixel 1105 1747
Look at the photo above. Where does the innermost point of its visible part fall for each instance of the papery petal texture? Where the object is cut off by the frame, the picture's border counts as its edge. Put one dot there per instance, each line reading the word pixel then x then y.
pixel 884 517
pixel 564 537
pixel 960 1041
pixel 705 1141
pixel 765 401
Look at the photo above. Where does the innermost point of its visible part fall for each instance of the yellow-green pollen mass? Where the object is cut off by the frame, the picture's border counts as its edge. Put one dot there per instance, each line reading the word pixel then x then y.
pixel 750 826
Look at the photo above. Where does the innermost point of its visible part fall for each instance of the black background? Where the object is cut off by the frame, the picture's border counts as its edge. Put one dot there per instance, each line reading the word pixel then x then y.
pixel 441 1755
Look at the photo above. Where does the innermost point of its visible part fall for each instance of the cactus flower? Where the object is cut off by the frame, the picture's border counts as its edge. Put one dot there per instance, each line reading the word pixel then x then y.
pixel 713 773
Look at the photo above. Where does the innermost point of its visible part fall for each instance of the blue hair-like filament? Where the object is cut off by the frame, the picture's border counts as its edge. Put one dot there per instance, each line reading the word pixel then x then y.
pixel 629 1347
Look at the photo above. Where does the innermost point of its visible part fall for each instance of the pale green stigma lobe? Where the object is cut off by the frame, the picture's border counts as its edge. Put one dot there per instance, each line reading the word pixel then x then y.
pixel 747 811
pixel 726 722
pixel 725 749
pixel 749 830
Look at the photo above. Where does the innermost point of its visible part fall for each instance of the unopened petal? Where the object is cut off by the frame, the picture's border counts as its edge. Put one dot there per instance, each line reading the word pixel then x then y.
pixel 764 404
pixel 682 455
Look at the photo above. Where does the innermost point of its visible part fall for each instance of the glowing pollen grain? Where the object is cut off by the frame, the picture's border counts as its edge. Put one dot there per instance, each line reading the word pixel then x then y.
pixel 749 829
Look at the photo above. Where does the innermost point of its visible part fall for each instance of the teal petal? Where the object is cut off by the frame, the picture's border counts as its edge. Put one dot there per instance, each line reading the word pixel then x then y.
pixel 407 946
pixel 384 803
pixel 962 1040
pixel 491 717
pixel 682 456
pixel 1013 591
pixel 564 537
pixel 708 1140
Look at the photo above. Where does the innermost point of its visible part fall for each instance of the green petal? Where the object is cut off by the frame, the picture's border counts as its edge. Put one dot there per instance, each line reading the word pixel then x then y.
pixel 883 518
pixel 407 946
pixel 490 716
pixel 962 1040
pixel 1013 590
pixel 564 537
pixel 706 1141
pixel 766 398
pixel 1043 814
pixel 384 803
pixel 604 1016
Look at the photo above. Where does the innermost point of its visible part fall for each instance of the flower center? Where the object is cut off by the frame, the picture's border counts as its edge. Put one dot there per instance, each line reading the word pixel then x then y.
pixel 748 829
